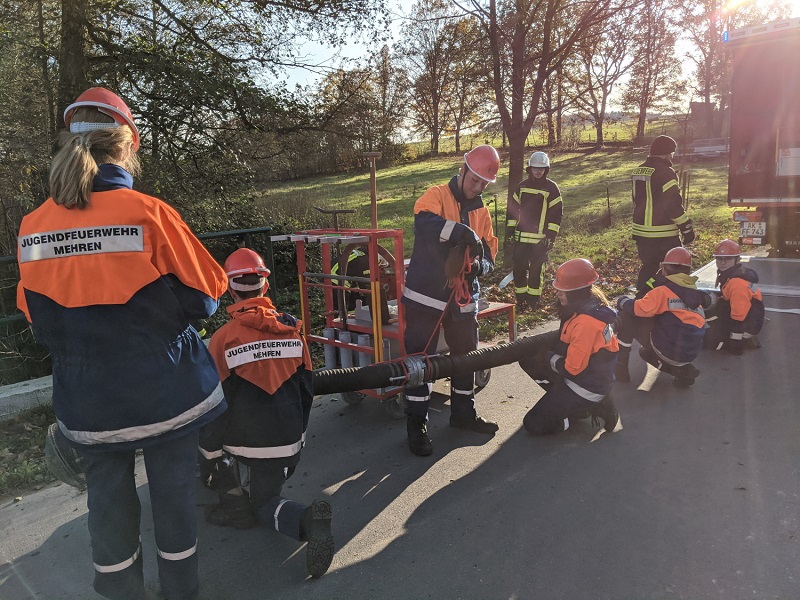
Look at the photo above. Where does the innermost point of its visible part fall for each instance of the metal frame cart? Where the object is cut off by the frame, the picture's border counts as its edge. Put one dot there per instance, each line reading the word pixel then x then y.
pixel 349 337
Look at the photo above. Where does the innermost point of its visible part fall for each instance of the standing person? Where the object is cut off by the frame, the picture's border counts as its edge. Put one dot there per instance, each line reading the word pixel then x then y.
pixel 265 368
pixel 579 372
pixel 740 312
pixel 447 219
pixel 534 220
pixel 669 320
pixel 111 280
pixel 658 214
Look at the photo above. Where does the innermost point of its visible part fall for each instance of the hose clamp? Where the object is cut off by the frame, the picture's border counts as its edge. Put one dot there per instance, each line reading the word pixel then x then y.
pixel 415 367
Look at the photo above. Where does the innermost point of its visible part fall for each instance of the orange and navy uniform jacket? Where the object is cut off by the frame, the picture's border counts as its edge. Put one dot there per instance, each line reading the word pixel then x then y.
pixel 586 353
pixel 265 368
pixel 657 203
pixel 535 211
pixel 442 217
pixel 111 291
pixel 676 305
pixel 747 306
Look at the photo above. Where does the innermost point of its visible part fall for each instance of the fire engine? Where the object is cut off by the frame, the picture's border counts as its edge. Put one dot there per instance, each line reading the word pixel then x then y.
pixel 764 158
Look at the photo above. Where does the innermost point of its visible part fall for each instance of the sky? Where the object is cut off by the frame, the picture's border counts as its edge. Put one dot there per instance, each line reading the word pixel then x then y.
pixel 355 50
pixel 397 9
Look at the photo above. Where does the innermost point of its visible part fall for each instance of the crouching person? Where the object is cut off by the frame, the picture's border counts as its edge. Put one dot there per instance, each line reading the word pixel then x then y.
pixel 579 372
pixel 675 306
pixel 739 315
pixel 265 368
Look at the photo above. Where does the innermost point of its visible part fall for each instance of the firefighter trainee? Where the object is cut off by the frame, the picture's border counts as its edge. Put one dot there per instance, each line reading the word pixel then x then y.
pixel 129 371
pixel 578 373
pixel 668 322
pixel 659 219
pixel 534 220
pixel 739 314
pixel 266 369
pixel 447 217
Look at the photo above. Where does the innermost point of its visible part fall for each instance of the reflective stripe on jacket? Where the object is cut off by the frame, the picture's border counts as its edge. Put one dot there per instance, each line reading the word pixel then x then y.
pixel 265 367
pixel 440 222
pixel 535 210
pixel 657 203
pixel 111 290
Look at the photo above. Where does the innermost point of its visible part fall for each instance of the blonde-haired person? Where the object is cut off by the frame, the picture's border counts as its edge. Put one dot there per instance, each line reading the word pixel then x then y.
pixel 578 373
pixel 111 279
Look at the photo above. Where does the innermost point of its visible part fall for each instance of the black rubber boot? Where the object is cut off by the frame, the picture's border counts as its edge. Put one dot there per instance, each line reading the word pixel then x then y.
pixel 685 376
pixel 607 412
pixel 233 511
pixel 418 441
pixel 315 528
pixel 474 423
pixel 621 372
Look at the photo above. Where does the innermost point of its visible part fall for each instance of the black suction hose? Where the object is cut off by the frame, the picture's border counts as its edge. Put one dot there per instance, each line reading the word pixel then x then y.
pixel 399 373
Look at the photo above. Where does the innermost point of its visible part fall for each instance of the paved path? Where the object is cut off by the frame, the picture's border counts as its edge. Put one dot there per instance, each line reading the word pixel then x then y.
pixel 698 497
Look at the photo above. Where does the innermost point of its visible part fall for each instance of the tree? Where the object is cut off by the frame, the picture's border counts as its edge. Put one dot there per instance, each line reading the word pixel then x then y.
pixel 429 53
pixel 602 58
pixel 655 80
pixel 528 41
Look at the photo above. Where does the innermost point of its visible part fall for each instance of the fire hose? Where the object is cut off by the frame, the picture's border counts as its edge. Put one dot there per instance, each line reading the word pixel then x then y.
pixel 414 370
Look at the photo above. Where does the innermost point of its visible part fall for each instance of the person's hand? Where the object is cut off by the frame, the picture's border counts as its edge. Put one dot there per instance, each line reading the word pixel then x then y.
pixel 622 301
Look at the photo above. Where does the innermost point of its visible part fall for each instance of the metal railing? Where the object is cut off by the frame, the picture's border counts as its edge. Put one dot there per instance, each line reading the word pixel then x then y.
pixel 243 237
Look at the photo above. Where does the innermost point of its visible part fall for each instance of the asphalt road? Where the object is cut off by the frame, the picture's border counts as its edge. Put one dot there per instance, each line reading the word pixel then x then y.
pixel 697 497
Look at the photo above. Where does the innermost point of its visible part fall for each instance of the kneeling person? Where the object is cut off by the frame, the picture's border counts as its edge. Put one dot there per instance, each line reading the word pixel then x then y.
pixel 740 312
pixel 265 368
pixel 675 306
pixel 579 373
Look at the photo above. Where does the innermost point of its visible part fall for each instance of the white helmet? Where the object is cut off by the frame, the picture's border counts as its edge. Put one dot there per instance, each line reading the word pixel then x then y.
pixel 539 160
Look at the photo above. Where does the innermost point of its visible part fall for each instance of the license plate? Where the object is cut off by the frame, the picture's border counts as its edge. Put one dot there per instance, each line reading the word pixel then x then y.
pixel 753 228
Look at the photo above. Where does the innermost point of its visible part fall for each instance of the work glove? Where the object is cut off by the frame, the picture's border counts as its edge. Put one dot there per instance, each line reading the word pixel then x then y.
pixel 687 232
pixel 454 264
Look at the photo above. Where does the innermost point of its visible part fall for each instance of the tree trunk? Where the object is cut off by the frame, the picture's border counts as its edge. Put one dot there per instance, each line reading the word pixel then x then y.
pixel 73 65
pixel 640 123
pixel 598 127
pixel 516 144
pixel 46 83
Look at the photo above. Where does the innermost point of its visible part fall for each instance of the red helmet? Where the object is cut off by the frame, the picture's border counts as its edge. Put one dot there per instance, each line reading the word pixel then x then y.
pixel 575 274
pixel 727 248
pixel 678 256
pixel 108 103
pixel 484 161
pixel 245 262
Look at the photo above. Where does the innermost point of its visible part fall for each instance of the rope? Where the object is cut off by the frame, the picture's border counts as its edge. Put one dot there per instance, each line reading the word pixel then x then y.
pixel 459 283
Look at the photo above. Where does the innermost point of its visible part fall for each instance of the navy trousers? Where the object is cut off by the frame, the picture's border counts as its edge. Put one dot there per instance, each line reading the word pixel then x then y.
pixel 114 519
pixel 461 336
